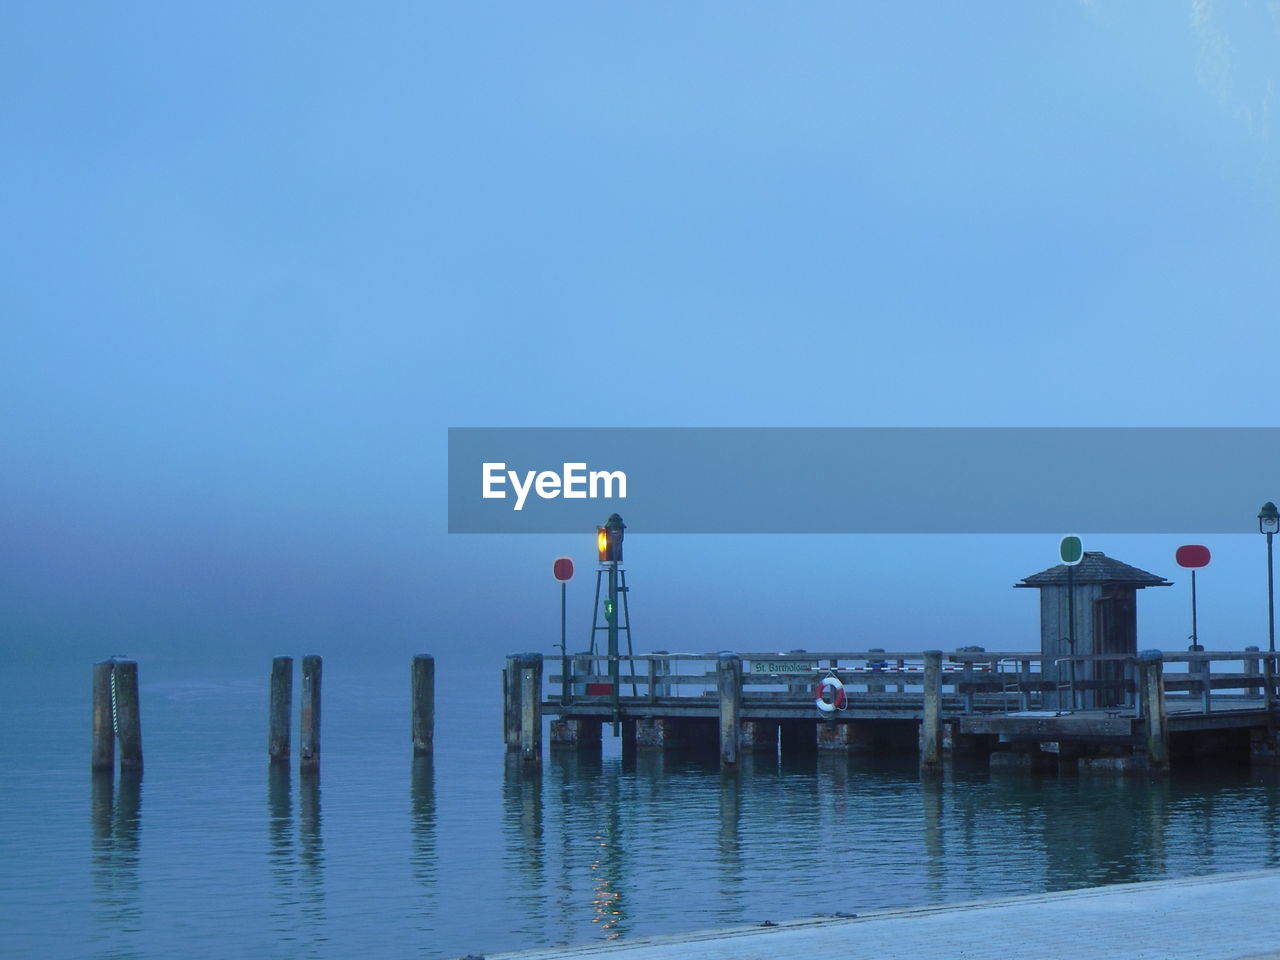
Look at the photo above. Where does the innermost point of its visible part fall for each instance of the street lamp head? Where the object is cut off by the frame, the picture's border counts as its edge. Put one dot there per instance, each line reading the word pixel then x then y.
pixel 609 539
pixel 1268 518
pixel 615 525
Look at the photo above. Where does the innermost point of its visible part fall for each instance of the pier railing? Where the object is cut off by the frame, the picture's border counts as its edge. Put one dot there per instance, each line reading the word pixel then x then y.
pixel 888 682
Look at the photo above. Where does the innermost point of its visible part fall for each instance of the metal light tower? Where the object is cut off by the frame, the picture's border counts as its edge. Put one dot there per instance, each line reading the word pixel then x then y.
pixel 609 549
pixel 1269 523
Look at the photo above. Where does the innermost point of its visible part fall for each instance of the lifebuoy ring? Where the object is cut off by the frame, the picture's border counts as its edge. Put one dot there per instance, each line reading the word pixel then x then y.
pixel 830 687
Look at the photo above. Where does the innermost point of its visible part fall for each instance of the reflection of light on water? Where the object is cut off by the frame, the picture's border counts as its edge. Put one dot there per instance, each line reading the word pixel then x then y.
pixel 606 905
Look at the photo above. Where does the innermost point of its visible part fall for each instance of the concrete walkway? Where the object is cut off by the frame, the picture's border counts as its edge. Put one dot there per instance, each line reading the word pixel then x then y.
pixel 1225 917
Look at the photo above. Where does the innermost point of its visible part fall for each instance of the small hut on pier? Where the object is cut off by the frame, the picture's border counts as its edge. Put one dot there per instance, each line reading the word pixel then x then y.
pixel 1103 592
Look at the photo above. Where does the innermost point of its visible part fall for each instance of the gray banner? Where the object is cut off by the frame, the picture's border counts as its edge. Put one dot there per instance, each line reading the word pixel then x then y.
pixel 863 479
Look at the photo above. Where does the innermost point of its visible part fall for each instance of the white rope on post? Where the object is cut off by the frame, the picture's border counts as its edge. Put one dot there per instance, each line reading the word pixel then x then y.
pixel 115 717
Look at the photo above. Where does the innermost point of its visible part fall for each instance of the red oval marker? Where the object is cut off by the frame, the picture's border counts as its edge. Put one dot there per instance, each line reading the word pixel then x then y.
pixel 562 569
pixel 1192 555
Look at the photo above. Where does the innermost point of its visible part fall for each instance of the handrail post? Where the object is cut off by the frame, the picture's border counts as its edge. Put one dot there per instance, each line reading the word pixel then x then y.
pixel 1251 668
pixel 1206 686
pixel 566 678
pixel 1024 697
pixel 874 687
pixel 615 681
pixel 1268 680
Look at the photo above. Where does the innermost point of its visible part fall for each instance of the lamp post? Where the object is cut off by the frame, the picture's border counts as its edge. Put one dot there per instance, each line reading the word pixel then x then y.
pixel 562 570
pixel 1269 523
pixel 1071 550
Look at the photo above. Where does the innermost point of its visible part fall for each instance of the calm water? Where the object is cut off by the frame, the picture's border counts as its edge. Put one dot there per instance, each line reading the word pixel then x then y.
pixel 211 854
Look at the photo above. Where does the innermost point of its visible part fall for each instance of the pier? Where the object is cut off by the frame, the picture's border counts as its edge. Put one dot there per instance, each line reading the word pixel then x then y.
pixel 1224 917
pixel 1143 711
pixel 1088 699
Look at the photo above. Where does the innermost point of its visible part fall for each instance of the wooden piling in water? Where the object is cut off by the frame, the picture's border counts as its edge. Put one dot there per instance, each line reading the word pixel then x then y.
pixel 530 684
pixel 1151 689
pixel 102 754
pixel 729 686
pixel 309 735
pixel 423 693
pixel 127 715
pixel 931 724
pixel 279 721
pixel 511 702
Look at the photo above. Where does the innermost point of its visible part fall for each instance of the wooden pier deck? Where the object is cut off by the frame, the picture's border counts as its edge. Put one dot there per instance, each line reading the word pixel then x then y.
pixel 1126 711
pixel 1222 917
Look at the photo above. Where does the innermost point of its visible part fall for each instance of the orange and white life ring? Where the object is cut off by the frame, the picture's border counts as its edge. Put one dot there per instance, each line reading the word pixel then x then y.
pixel 830 695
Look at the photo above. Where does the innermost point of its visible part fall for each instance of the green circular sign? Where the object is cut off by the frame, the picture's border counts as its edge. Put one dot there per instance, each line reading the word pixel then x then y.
pixel 1071 550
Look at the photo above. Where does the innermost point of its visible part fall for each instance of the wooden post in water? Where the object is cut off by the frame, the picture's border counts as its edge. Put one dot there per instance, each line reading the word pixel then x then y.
pixel 309 753
pixel 729 686
pixel 931 724
pixel 1151 688
pixel 128 719
pixel 423 691
pixel 102 755
pixel 279 732
pixel 530 683
pixel 511 702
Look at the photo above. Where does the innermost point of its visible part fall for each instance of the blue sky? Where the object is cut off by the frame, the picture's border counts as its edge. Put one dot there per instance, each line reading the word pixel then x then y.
pixel 257 261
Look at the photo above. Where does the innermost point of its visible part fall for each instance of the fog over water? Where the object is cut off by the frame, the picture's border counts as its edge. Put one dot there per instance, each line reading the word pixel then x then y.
pixel 258 262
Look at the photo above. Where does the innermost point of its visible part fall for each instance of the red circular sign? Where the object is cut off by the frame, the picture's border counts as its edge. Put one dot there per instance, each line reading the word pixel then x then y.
pixel 562 569
pixel 1192 555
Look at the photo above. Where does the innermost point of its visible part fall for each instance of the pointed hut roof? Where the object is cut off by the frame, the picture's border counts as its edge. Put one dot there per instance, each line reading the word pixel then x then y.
pixel 1095 567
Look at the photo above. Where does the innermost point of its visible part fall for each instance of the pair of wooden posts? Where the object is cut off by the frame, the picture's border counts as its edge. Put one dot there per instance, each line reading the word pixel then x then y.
pixel 281 710
pixel 422 695
pixel 116 716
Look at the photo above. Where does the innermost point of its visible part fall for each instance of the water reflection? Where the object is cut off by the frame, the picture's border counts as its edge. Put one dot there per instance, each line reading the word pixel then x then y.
pixel 280 824
pixel 296 858
pixel 1094 832
pixel 729 845
pixel 523 826
pixel 116 814
pixel 596 801
pixel 311 845
pixel 576 776
pixel 422 814
pixel 608 866
pixel 649 842
pixel 280 852
pixel 935 850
